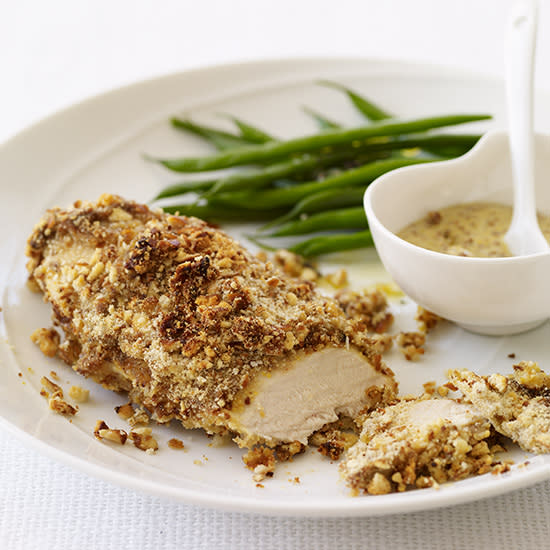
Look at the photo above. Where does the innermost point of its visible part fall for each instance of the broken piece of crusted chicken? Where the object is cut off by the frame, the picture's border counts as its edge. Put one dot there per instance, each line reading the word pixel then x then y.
pixel 194 328
pixel 517 405
pixel 418 443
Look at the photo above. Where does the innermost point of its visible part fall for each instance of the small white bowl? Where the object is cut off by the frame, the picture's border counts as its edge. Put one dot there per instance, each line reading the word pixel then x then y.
pixel 494 296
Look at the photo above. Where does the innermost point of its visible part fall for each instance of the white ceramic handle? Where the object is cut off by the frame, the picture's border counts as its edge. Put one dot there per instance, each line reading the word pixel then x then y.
pixel 521 60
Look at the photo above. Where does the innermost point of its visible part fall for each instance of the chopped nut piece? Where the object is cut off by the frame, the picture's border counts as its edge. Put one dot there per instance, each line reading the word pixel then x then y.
pixel 261 460
pixel 58 405
pixel 125 411
pixel 47 339
pixel 52 387
pixel 261 472
pixel 338 279
pixel 411 344
pixel 332 441
pixel 309 274
pixel 429 387
pixel 53 374
pixel 116 436
pixel 131 415
pixel 295 266
pixel 500 468
pixel 426 319
pixel 262 256
pixel 143 439
pixel 32 285
pixel 100 425
pixel 286 451
pixel 381 343
pixel 79 394
pixel 367 309
pixel 175 443
pixel 379 485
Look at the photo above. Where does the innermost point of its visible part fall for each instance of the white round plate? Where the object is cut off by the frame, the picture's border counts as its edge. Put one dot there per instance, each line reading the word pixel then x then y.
pixel 96 147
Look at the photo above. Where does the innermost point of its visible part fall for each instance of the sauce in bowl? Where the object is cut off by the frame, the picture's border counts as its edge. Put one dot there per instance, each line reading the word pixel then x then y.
pixel 470 229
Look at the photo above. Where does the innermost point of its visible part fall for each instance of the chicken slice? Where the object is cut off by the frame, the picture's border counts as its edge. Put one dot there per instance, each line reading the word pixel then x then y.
pixel 195 328
pixel 418 443
pixel 293 401
pixel 518 405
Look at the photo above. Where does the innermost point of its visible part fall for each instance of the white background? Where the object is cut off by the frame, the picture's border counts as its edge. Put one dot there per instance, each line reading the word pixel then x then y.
pixel 56 52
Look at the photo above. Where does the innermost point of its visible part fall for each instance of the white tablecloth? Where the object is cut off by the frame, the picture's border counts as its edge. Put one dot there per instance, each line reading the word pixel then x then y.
pixel 57 52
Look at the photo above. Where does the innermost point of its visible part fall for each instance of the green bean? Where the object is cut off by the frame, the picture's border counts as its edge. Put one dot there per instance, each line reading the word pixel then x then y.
pixel 319 202
pixel 316 246
pixel 278 198
pixel 213 213
pixel 304 164
pixel 255 179
pixel 250 133
pixel 185 187
pixel 323 122
pixel 342 218
pixel 275 150
pixel 219 138
pixel 375 113
pixel 363 105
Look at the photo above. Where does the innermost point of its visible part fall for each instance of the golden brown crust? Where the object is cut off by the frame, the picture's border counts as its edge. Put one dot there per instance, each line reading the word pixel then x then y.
pixel 411 344
pixel 367 309
pixel 401 446
pixel 173 311
pixel 518 405
pixel 261 460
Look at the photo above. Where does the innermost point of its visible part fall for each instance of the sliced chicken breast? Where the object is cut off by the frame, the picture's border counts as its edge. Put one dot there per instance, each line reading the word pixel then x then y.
pixel 195 328
pixel 418 443
pixel 518 405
